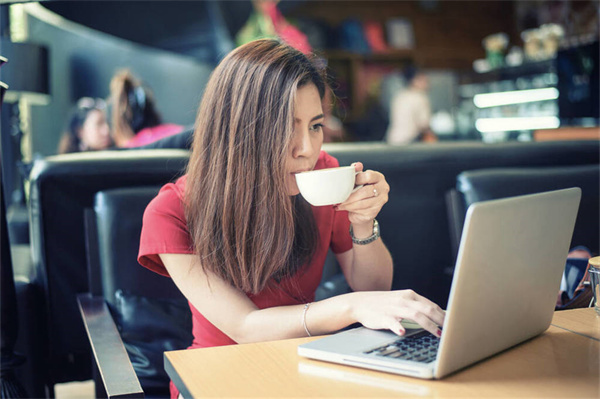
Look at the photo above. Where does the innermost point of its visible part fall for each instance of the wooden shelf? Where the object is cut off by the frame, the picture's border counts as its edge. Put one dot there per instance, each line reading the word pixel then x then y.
pixel 391 56
pixel 511 72
pixel 567 133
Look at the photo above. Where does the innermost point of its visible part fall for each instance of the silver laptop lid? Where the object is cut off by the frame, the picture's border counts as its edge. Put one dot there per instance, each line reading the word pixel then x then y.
pixel 509 266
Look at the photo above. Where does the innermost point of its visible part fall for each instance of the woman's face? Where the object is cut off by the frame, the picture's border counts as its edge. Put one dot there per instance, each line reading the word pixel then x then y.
pixel 307 137
pixel 95 133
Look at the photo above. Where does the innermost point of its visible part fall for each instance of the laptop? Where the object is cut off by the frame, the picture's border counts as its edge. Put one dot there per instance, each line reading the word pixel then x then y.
pixel 508 272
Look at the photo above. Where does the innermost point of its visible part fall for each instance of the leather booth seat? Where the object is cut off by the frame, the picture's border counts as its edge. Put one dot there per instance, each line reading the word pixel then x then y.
pixel 414 222
pixel 150 313
pixel 30 305
pixel 61 187
pixel 488 184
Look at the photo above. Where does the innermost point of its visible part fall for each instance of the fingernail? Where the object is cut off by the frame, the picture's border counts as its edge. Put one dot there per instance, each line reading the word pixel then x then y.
pixel 439 333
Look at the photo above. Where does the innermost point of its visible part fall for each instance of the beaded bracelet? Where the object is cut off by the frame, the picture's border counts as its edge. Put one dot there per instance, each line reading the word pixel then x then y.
pixel 306 306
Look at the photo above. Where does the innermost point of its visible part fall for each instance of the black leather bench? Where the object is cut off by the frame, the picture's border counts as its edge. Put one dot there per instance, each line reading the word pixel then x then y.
pixel 414 222
pixel 128 304
pixel 488 184
pixel 61 188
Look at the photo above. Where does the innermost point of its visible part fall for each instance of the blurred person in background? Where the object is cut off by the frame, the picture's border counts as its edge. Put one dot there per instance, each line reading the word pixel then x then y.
pixel 135 119
pixel 87 129
pixel 410 111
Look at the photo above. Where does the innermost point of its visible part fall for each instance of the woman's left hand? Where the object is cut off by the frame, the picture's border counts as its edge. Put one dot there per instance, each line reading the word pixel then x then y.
pixel 364 204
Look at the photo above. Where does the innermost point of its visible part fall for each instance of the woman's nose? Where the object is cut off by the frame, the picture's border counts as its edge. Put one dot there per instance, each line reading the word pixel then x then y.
pixel 302 144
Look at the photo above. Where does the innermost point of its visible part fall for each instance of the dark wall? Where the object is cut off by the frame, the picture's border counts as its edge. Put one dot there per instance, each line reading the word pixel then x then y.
pixel 194 28
pixel 204 29
pixel 82 62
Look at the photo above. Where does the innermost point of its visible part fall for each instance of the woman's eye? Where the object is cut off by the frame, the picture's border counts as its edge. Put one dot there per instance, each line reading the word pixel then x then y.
pixel 316 127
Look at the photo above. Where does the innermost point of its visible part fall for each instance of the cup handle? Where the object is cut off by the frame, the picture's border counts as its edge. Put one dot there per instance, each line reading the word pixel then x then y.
pixel 357 187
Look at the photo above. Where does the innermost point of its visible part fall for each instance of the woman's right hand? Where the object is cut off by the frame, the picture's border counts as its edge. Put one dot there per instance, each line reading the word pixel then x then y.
pixel 386 309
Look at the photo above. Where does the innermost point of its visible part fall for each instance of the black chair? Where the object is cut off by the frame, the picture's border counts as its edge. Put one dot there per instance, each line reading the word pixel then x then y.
pixel 487 184
pixel 413 222
pixel 131 315
pixel 10 385
pixel 61 188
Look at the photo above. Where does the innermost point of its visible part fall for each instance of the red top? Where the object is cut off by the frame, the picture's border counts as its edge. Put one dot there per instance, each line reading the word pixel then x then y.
pixel 151 134
pixel 165 231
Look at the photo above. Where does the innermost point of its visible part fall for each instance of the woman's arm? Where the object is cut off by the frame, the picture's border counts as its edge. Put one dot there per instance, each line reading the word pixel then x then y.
pixel 367 267
pixel 231 311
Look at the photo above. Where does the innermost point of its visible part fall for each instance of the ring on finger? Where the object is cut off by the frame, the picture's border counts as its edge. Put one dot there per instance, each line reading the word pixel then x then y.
pixel 375 193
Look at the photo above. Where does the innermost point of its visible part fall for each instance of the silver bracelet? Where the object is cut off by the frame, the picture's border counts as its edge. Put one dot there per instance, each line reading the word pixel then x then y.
pixel 364 241
pixel 306 306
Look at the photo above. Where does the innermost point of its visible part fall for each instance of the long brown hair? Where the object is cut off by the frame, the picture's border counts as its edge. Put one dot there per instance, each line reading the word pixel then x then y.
pixel 244 225
pixel 133 106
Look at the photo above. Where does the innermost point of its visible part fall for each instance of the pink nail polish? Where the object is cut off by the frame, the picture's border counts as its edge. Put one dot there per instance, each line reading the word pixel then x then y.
pixel 439 333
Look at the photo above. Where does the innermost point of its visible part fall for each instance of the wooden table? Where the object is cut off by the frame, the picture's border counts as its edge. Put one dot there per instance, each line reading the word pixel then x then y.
pixel 580 321
pixel 563 362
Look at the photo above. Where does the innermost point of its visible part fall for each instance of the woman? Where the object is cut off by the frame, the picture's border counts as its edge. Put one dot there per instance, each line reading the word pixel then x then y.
pixel 135 120
pixel 240 243
pixel 87 129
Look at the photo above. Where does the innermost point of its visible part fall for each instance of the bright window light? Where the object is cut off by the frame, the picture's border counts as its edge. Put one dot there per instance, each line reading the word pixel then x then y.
pixel 514 97
pixel 486 125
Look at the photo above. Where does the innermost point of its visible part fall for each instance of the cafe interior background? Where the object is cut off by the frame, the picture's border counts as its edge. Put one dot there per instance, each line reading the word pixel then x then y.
pixel 499 71
pixel 466 48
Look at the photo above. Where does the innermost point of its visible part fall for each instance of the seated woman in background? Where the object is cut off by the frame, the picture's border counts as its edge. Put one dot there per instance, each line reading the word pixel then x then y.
pixel 243 247
pixel 87 128
pixel 135 120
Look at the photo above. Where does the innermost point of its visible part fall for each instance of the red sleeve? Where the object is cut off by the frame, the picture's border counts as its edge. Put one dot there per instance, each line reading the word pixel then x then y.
pixel 326 161
pixel 164 230
pixel 340 231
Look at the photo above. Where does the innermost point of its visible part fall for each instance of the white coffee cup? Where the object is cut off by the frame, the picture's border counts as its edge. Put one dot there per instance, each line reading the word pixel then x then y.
pixel 326 186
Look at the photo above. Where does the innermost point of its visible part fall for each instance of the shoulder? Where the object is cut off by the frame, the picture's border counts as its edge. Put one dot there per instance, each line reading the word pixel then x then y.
pixel 164 228
pixel 326 161
pixel 165 128
pixel 169 199
pixel 174 190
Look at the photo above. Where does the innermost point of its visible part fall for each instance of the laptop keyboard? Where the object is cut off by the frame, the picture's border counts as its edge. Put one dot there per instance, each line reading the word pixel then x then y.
pixel 421 347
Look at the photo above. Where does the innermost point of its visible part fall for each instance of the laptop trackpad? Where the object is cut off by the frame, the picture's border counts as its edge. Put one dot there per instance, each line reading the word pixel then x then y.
pixel 356 340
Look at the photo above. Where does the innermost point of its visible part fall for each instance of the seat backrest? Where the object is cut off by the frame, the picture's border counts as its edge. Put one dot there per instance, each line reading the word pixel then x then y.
pixel 487 184
pixel 61 187
pixel 119 215
pixel 151 314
